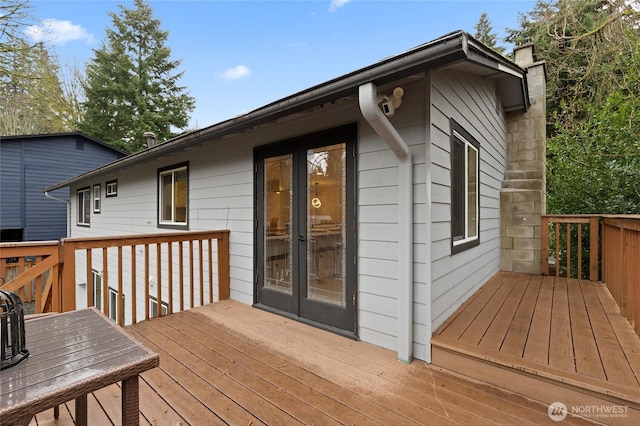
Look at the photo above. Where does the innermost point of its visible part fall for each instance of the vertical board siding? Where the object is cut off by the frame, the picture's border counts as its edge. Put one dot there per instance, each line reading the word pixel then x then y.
pixel 473 103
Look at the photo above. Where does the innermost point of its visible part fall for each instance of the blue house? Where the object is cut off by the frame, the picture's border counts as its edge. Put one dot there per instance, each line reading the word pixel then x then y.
pixel 31 163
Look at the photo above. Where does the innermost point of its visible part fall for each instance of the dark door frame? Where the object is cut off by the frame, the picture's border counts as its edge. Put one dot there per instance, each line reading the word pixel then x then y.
pixel 324 315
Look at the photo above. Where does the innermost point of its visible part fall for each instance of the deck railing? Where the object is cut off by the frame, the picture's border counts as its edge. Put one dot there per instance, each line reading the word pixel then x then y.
pixel 570 246
pixel 129 278
pixel 30 270
pixel 621 264
pixel 597 247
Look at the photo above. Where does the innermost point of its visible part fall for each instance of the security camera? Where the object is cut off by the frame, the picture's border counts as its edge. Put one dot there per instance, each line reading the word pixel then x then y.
pixel 387 107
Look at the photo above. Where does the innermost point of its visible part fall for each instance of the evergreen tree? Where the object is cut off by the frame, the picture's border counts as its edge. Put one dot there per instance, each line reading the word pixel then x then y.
pixel 31 96
pixel 592 59
pixel 131 84
pixel 485 35
pixel 32 100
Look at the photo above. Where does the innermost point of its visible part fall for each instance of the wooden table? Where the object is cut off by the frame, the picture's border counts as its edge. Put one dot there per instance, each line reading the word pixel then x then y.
pixel 71 355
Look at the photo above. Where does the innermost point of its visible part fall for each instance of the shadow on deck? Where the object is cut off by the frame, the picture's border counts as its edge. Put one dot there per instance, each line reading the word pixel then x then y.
pixel 228 363
pixel 549 339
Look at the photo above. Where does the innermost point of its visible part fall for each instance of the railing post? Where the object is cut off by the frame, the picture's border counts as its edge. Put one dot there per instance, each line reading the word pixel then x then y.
pixel 224 291
pixel 67 287
pixel 594 249
pixel 545 245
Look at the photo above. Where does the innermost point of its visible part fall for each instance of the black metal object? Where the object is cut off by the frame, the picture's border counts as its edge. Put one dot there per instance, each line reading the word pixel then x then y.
pixel 12 338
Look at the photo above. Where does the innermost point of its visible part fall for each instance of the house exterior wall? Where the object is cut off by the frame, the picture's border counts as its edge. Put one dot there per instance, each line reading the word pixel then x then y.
pixel 221 196
pixel 31 164
pixel 473 103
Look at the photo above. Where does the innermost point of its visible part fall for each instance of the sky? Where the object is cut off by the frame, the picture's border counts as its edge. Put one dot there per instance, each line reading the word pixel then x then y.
pixel 239 55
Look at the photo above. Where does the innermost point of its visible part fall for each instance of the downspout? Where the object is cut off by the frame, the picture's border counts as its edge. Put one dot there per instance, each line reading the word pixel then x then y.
pixel 368 98
pixel 68 203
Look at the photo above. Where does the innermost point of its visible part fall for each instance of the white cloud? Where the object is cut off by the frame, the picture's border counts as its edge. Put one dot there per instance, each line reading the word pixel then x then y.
pixel 235 73
pixel 57 32
pixel 337 4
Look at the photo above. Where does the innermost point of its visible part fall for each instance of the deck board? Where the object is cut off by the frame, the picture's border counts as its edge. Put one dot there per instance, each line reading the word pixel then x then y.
pixel 540 325
pixel 560 342
pixel 476 330
pixel 587 357
pixel 497 330
pixel 517 333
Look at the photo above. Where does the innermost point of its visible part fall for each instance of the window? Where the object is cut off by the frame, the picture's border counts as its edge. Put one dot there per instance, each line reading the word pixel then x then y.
pixel 173 196
pixel 84 206
pixel 113 304
pixel 96 198
pixel 97 289
pixel 153 307
pixel 465 197
pixel 112 188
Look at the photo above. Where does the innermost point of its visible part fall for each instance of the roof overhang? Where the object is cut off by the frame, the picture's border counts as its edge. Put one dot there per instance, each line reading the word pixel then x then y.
pixel 457 50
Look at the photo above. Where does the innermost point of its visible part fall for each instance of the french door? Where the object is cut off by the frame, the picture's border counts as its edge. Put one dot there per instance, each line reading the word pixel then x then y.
pixel 305 239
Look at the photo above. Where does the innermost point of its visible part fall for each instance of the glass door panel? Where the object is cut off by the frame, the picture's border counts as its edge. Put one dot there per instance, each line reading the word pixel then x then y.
pixel 278 216
pixel 326 224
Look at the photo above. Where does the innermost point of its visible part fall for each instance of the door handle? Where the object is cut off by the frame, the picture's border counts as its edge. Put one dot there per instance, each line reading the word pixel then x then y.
pixel 301 238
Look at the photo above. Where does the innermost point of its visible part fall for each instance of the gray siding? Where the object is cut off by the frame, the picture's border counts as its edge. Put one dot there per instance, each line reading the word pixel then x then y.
pixel 473 103
pixel 378 177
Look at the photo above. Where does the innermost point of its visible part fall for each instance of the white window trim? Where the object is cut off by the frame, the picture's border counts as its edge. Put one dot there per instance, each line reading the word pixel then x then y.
pixel 97 284
pixel 154 302
pixel 112 188
pixel 97 190
pixel 171 172
pixel 113 304
pixel 81 206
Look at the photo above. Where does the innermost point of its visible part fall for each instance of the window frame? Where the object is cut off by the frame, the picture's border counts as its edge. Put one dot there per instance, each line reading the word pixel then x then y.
pixel 153 305
pixel 82 195
pixel 96 198
pixel 113 304
pixel 111 188
pixel 164 172
pixel 96 278
pixel 467 239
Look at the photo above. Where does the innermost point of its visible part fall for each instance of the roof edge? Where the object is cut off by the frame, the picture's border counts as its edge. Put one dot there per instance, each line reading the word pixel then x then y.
pixel 451 47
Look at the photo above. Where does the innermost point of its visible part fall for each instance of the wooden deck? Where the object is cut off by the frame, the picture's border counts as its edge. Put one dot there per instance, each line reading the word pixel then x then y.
pixel 228 363
pixel 550 339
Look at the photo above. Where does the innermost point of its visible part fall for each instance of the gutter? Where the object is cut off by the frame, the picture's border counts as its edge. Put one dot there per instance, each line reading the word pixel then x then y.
pixel 444 50
pixel 68 203
pixel 368 99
